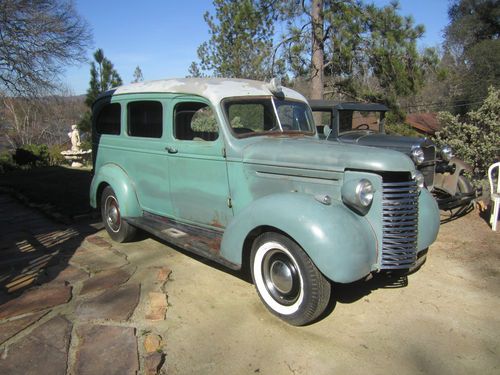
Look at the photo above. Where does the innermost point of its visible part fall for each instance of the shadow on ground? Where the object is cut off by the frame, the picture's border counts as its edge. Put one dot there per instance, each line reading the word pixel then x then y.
pixel 33 249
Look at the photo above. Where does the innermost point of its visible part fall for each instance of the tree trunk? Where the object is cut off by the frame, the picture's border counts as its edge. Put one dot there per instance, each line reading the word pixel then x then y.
pixel 317 50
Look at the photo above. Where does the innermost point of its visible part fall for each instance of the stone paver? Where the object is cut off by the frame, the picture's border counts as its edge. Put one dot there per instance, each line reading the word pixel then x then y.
pixel 98 241
pixel 157 306
pixel 69 274
pixel 41 298
pixel 105 280
pixel 163 274
pixel 152 343
pixel 116 304
pixel 96 260
pixel 106 350
pixel 43 351
pixel 153 363
pixel 13 327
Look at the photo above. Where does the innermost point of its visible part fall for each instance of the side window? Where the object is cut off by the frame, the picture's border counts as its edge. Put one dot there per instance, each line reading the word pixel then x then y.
pixel 145 119
pixel 109 119
pixel 195 121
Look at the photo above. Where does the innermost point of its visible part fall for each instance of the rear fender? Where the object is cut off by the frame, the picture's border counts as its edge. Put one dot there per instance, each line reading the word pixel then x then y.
pixel 114 176
pixel 341 243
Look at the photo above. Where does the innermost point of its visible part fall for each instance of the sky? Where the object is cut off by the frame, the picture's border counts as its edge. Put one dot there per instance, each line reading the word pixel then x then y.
pixel 162 36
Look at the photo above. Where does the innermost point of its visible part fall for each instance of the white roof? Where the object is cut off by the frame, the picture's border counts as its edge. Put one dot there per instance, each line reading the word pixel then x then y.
pixel 214 89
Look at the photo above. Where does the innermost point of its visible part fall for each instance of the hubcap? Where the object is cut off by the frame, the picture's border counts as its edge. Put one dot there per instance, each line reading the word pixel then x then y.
pixel 281 277
pixel 113 214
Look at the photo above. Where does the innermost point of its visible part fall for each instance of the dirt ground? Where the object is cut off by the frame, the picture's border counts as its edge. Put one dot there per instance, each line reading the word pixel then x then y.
pixel 443 319
pixel 104 299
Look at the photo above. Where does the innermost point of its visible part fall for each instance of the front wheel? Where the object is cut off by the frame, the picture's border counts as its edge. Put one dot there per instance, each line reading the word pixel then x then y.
pixel 287 281
pixel 118 229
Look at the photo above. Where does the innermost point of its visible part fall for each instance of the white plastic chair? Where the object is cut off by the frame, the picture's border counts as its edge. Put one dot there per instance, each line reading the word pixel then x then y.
pixel 495 193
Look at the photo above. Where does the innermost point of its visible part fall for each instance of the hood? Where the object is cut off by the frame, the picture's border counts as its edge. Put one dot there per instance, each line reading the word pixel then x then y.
pixel 311 153
pixel 394 142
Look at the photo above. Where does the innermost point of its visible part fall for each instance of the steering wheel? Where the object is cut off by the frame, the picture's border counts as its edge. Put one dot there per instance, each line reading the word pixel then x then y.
pixel 363 127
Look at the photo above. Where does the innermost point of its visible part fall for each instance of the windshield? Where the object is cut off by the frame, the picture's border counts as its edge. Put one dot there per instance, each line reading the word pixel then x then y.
pixel 261 116
pixel 360 120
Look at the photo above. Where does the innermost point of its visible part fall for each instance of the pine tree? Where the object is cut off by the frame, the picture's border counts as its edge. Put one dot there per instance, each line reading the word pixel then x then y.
pixel 138 75
pixel 241 40
pixel 103 77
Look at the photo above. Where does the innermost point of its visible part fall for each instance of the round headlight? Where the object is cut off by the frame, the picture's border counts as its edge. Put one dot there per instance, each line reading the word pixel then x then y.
pixel 419 179
pixel 446 153
pixel 417 155
pixel 364 192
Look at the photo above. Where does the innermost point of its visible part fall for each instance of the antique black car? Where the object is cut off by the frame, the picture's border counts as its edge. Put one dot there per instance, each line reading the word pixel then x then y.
pixel 364 124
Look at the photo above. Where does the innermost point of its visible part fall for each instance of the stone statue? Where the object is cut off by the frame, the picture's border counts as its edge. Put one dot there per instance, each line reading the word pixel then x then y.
pixel 74 135
pixel 76 156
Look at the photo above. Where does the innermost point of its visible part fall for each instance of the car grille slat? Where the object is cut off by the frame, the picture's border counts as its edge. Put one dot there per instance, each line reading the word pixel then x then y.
pixel 400 224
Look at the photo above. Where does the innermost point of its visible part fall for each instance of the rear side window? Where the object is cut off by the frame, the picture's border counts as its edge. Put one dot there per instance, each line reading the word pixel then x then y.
pixel 145 119
pixel 109 119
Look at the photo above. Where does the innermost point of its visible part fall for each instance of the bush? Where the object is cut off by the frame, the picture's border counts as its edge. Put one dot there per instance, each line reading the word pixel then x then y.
pixel 476 138
pixel 55 157
pixel 32 155
pixel 6 162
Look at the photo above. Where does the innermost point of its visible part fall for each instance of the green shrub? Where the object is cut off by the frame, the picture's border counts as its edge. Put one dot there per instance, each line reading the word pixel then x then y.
pixel 55 157
pixel 476 138
pixel 32 155
pixel 6 162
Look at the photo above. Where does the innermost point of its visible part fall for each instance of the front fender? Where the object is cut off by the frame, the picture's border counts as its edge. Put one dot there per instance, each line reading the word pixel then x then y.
pixel 341 243
pixel 113 175
pixel 428 220
pixel 448 182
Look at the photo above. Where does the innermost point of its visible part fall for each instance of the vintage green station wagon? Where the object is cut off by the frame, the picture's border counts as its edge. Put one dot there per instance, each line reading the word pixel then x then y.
pixel 233 170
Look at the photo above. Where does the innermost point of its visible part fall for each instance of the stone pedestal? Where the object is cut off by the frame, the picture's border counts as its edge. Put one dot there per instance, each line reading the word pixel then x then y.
pixel 77 158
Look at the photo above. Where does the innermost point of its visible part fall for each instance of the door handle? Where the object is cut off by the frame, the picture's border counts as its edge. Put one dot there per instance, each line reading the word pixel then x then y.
pixel 171 150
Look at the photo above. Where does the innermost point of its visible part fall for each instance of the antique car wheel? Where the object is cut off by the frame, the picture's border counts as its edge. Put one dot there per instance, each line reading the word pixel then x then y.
pixel 286 279
pixel 118 229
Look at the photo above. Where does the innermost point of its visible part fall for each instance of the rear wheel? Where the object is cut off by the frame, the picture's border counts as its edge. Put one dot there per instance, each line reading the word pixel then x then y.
pixel 118 229
pixel 286 279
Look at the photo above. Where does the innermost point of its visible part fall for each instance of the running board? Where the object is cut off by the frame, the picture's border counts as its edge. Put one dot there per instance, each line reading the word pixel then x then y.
pixel 198 240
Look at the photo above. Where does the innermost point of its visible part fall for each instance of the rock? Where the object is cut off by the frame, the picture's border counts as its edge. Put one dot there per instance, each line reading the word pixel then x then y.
pixel 44 297
pixel 157 307
pixel 105 280
pixel 98 241
pixel 13 327
pixel 152 343
pixel 114 304
pixel 153 362
pixel 163 274
pixel 44 350
pixel 106 350
pixel 97 259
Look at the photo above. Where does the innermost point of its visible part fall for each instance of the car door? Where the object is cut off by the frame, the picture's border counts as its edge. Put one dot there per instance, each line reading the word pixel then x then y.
pixel 143 152
pixel 199 187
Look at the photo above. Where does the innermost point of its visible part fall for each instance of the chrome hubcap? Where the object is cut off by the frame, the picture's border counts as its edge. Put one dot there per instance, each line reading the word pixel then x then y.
pixel 281 277
pixel 113 214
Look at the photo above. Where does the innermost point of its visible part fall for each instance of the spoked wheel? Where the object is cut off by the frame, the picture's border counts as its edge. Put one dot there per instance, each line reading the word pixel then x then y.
pixel 118 229
pixel 286 279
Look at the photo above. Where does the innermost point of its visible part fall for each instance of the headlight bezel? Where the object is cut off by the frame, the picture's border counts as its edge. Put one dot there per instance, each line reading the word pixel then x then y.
pixel 358 195
pixel 446 153
pixel 419 179
pixel 417 155
pixel 364 192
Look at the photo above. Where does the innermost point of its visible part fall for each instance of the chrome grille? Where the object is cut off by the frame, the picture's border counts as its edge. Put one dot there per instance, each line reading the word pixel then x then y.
pixel 400 224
